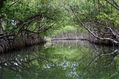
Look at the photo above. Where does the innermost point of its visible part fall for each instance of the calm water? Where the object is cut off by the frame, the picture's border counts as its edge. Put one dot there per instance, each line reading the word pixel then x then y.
pixel 61 60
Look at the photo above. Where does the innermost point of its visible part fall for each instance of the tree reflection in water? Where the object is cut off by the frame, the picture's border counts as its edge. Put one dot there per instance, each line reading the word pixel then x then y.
pixel 61 60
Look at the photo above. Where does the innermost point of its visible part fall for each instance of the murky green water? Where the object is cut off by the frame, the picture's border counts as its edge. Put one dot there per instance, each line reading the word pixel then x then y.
pixel 61 60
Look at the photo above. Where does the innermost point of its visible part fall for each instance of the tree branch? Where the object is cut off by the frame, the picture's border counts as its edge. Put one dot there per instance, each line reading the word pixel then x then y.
pixel 13 3
pixel 112 4
pixel 92 33
pixel 115 3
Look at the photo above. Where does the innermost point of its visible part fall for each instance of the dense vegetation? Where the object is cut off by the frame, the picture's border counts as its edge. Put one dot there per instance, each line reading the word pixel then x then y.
pixel 100 18
pixel 29 22
pixel 40 18
pixel 31 16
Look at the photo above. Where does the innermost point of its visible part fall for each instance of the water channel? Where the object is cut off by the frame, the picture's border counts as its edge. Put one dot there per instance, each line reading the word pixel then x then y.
pixel 61 60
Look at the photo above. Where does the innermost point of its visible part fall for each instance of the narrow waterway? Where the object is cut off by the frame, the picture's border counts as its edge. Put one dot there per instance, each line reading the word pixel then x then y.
pixel 61 60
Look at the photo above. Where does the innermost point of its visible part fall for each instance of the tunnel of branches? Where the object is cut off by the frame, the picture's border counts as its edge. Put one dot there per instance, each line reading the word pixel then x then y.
pixel 24 23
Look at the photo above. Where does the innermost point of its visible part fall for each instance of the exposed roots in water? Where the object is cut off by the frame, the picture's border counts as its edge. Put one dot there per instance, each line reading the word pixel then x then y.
pixel 18 43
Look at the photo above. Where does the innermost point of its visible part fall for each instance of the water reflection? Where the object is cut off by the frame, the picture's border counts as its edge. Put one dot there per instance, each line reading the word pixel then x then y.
pixel 61 60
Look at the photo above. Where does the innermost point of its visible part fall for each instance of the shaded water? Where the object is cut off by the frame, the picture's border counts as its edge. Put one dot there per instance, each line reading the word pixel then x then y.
pixel 61 60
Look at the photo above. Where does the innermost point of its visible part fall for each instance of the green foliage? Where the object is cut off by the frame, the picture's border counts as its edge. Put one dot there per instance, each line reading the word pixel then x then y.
pixel 56 13
pixel 94 10
pixel 34 13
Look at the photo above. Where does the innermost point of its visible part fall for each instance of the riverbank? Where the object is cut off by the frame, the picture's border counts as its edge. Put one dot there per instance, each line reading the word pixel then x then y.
pixel 19 43
pixel 88 38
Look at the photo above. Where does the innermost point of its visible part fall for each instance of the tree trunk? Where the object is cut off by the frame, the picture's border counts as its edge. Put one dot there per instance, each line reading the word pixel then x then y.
pixel 1 28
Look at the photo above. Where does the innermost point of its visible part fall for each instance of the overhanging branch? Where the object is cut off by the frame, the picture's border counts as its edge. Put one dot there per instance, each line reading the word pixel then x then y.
pixel 115 5
pixel 91 32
